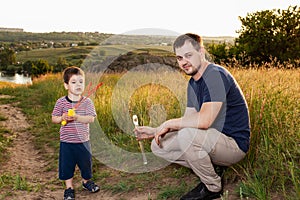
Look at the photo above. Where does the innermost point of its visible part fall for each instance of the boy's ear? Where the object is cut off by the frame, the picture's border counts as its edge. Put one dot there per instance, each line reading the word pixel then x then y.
pixel 66 86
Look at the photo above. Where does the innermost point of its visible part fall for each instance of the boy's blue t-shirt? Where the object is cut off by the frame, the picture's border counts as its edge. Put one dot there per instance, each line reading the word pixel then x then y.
pixel 218 85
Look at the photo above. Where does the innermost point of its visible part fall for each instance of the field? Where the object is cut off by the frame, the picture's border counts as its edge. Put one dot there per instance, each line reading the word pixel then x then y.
pixel 74 54
pixel 270 170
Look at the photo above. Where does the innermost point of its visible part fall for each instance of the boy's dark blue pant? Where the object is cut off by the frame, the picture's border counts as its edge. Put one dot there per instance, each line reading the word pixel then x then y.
pixel 72 154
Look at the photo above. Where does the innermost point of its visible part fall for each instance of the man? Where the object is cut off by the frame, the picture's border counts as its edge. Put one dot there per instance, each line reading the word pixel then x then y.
pixel 215 127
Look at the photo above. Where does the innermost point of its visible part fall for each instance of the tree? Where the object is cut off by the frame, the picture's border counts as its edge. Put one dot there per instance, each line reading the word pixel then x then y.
pixel 219 52
pixel 289 47
pixel 36 68
pixel 7 57
pixel 27 66
pixel 61 64
pixel 42 67
pixel 270 33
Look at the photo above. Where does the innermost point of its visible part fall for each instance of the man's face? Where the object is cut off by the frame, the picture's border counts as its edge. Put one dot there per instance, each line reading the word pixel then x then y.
pixel 188 58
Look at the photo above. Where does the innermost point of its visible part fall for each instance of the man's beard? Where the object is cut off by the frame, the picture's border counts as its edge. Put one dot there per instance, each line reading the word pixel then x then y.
pixel 195 70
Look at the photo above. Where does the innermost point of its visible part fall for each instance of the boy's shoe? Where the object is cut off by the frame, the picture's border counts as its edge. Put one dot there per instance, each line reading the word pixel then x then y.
pixel 69 194
pixel 90 186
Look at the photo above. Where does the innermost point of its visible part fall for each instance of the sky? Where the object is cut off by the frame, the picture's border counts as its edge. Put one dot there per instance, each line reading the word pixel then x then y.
pixel 171 17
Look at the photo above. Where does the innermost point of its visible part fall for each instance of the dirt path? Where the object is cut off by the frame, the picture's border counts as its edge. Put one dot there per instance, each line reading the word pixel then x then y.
pixel 25 161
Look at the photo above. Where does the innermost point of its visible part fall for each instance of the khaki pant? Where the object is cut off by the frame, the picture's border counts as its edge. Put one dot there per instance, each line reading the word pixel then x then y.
pixel 198 149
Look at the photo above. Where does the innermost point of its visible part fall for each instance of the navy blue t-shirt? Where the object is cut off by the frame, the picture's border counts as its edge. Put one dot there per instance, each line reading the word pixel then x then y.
pixel 218 85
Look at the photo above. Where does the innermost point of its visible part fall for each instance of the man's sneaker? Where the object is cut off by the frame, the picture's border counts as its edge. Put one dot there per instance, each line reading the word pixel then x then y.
pixel 193 193
pixel 200 192
pixel 69 194
pixel 90 186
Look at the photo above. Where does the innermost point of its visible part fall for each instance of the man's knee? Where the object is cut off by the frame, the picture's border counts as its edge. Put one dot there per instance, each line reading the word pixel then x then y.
pixel 191 142
pixel 186 136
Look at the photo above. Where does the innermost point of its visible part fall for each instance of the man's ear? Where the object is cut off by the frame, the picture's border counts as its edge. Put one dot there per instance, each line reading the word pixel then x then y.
pixel 202 50
pixel 66 86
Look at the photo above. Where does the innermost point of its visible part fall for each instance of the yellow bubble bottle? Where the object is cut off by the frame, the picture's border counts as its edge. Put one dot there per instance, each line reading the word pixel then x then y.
pixel 71 112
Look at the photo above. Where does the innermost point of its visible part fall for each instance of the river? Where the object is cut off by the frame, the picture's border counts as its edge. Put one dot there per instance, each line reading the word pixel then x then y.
pixel 16 78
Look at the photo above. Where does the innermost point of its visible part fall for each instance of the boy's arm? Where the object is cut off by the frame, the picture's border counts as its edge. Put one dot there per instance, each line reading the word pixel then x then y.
pixel 57 112
pixel 84 118
pixel 90 113
pixel 56 119
pixel 79 118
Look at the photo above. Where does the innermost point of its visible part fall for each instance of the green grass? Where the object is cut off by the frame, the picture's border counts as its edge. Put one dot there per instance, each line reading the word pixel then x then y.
pixel 2 118
pixel 5 140
pixel 171 191
pixel 270 169
pixel 52 54
pixel 273 98
pixel 14 182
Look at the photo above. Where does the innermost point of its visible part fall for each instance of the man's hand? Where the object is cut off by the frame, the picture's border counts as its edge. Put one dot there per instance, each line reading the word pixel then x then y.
pixel 144 132
pixel 162 131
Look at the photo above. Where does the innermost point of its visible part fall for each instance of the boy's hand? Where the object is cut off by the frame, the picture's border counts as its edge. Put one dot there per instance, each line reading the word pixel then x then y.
pixel 66 117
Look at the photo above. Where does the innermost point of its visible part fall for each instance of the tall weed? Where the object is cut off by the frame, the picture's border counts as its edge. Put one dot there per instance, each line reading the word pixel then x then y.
pixel 271 167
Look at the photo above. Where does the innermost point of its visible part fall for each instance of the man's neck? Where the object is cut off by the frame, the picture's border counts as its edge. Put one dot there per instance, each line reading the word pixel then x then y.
pixel 201 70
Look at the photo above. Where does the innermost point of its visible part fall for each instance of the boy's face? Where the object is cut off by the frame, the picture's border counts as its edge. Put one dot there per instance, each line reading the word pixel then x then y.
pixel 75 85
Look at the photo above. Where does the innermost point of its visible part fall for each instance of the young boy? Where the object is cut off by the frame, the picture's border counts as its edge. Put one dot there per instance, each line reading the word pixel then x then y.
pixel 74 132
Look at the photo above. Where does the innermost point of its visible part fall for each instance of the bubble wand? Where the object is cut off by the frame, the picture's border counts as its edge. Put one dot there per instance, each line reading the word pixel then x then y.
pixel 136 123
pixel 71 112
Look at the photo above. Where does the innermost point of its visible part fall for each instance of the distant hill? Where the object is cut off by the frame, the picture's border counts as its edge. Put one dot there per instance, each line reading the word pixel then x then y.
pixel 97 38
pixel 2 29
pixel 6 36
pixel 140 60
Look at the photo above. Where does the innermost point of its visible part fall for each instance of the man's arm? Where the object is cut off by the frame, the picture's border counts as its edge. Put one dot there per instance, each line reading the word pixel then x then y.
pixel 191 119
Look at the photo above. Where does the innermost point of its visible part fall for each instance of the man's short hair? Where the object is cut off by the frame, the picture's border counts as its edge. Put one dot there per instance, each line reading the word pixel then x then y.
pixel 195 40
